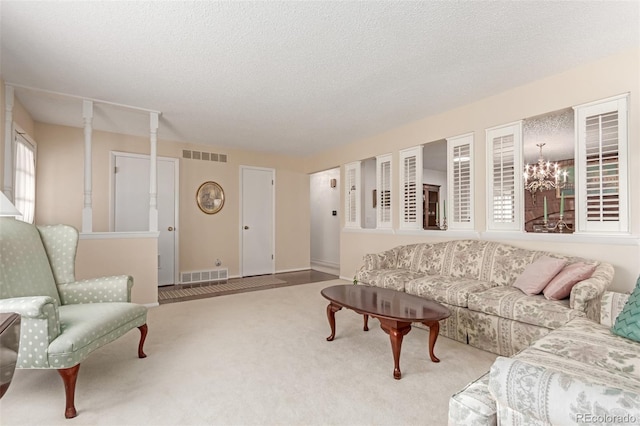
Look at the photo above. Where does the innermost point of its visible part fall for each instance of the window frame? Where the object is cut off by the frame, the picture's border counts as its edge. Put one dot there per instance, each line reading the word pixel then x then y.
pixel 352 194
pixel 452 144
pixel 384 182
pixel 27 208
pixel 404 155
pixel 514 129
pixel 620 104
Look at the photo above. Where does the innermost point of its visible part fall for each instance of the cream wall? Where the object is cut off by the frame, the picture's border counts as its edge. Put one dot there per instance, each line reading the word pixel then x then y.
pixel 608 77
pixel 135 256
pixel 203 238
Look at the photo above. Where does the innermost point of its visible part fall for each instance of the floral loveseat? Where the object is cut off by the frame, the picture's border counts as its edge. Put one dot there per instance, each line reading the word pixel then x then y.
pixel 474 279
pixel 580 373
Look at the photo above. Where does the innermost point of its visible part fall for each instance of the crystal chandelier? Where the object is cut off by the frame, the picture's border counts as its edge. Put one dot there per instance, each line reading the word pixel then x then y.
pixel 543 176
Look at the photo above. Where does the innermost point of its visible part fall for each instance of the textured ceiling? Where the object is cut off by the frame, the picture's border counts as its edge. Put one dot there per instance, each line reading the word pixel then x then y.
pixel 292 77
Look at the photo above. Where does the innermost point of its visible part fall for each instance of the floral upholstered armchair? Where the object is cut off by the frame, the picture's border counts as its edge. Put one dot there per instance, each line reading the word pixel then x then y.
pixel 62 320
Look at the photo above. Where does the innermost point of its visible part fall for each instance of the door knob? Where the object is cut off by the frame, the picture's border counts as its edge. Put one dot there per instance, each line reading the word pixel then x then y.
pixel 170 228
pixel 246 227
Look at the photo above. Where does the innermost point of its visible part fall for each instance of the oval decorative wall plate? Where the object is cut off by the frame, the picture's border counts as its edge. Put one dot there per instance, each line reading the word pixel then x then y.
pixel 210 197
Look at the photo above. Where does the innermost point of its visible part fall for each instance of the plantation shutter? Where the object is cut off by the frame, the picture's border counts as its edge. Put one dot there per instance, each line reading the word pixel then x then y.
pixel 384 191
pixel 505 165
pixel 602 177
pixel 352 195
pixel 411 197
pixel 460 184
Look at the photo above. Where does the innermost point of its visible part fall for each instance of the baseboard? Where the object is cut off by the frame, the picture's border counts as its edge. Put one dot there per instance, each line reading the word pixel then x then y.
pixel 327 267
pixel 151 305
pixel 282 271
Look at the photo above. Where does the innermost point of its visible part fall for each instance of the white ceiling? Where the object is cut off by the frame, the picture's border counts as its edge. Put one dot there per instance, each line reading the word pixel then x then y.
pixel 292 77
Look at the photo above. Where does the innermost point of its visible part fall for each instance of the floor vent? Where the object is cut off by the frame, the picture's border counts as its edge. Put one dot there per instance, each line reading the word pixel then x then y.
pixel 191 277
pixel 206 156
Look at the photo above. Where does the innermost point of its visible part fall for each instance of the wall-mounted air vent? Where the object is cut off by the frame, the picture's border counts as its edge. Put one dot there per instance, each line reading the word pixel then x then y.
pixel 211 275
pixel 206 156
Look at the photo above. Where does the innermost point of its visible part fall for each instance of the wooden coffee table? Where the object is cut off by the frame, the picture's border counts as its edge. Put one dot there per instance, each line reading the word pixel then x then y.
pixel 395 310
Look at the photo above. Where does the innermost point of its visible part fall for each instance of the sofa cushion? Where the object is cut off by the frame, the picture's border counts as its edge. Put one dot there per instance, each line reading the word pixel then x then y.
pixel 406 255
pixel 429 258
pixel 587 349
pixel 395 279
pixel 511 303
pixel 468 259
pixel 628 321
pixel 532 394
pixel 473 405
pixel 538 274
pixel 446 289
pixel 505 263
pixel 560 286
pixel 86 327
pixel 385 260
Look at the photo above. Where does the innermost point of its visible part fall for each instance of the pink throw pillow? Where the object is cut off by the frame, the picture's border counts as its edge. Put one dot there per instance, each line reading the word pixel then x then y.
pixel 537 275
pixel 560 286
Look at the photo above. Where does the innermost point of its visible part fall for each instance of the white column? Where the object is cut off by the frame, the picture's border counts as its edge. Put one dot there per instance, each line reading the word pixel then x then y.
pixel 153 173
pixel 7 186
pixel 87 210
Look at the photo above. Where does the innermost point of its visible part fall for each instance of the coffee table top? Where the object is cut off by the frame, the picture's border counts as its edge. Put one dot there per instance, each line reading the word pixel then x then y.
pixel 386 303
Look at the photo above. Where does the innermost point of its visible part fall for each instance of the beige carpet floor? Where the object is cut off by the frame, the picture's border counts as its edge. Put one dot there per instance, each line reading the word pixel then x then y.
pixel 256 358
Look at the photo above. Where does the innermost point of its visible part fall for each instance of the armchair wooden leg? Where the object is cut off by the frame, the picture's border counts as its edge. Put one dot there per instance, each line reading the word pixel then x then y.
pixel 69 377
pixel 143 335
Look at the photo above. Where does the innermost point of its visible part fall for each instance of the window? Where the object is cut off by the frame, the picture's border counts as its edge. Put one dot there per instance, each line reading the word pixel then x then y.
pixel 24 194
pixel 383 188
pixel 504 165
pixel 368 201
pixel 602 166
pixel 352 195
pixel 460 181
pixel 410 182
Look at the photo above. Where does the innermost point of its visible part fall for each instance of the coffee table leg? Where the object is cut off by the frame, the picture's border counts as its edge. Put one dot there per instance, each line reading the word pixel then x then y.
pixel 331 315
pixel 396 331
pixel 434 329
pixel 366 322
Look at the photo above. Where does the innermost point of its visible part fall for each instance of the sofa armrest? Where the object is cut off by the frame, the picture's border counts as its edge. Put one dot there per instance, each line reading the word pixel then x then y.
pixel 611 305
pixel 38 317
pixel 29 307
pixel 586 295
pixel 385 260
pixel 97 290
pixel 530 394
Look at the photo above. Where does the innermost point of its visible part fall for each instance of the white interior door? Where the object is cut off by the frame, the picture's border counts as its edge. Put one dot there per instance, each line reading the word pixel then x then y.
pixel 257 221
pixel 131 206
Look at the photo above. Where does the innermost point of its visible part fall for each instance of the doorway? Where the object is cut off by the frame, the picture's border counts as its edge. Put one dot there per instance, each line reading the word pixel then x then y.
pixel 324 191
pixel 130 205
pixel 257 221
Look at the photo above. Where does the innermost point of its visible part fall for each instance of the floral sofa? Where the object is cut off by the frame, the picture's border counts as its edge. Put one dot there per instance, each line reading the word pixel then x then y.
pixel 578 373
pixel 474 279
